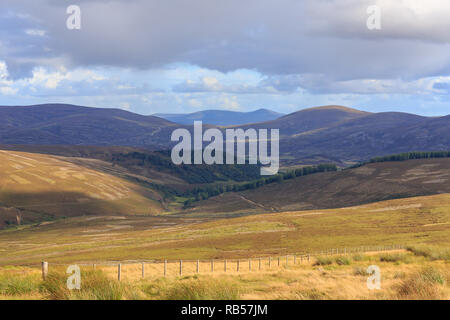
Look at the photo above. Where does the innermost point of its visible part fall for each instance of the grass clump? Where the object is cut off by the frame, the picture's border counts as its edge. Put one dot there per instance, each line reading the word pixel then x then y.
pixel 343 261
pixel 323 261
pixel 197 289
pixel 430 252
pixel 95 285
pixel 396 258
pixel 15 285
pixel 359 271
pixel 312 294
pixel 359 257
pixel 423 285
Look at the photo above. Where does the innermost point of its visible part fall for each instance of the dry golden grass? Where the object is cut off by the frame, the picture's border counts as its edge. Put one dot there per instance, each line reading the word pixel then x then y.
pixel 414 278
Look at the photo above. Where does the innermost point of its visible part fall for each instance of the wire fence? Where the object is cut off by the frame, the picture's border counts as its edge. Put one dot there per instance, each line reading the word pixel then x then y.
pixel 139 269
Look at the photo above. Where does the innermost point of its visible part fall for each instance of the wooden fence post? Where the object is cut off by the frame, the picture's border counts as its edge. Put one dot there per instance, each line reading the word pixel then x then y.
pixel 119 271
pixel 295 258
pixel 225 265
pixel 250 264
pixel 181 267
pixel 44 270
pixel 212 265
pixel 287 260
pixel 270 261
pixel 237 267
pixel 143 270
pixel 278 260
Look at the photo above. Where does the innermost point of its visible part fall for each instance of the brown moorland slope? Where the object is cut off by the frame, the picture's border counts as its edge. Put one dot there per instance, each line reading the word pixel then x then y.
pixel 36 187
pixel 369 183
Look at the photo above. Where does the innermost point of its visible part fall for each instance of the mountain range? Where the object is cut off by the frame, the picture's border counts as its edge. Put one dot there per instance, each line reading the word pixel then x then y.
pixel 221 117
pixel 322 134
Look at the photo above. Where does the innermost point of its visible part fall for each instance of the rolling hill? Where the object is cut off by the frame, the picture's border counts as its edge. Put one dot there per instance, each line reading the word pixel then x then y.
pixel 60 124
pixel 316 135
pixel 310 120
pixel 369 183
pixel 221 117
pixel 36 187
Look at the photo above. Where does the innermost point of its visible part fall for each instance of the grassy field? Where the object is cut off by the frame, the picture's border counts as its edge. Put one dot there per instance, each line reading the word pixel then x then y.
pixel 419 273
pixel 38 187
pixel 411 221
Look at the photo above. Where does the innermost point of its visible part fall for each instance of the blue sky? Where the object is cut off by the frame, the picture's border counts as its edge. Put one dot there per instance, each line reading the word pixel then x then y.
pixel 185 56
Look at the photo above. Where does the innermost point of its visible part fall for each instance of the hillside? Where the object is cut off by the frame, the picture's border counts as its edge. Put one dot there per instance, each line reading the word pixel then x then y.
pixel 366 184
pixel 317 135
pixel 221 117
pixel 420 220
pixel 56 124
pixel 309 120
pixel 369 136
pixel 37 187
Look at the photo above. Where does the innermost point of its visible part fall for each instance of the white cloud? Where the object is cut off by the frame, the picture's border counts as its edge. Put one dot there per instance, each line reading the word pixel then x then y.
pixel 35 32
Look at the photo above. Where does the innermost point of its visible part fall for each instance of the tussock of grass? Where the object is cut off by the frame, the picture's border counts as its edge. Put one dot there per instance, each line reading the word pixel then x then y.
pixel 397 258
pixel 312 294
pixel 323 261
pixel 359 257
pixel 359 271
pixel 343 261
pixel 431 252
pixel 95 285
pixel 12 285
pixel 197 289
pixel 423 285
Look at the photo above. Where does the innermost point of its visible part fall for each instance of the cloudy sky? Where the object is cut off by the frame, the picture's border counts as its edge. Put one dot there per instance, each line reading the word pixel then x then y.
pixel 151 56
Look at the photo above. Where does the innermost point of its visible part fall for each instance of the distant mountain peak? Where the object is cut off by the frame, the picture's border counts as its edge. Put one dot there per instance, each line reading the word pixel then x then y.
pixel 222 117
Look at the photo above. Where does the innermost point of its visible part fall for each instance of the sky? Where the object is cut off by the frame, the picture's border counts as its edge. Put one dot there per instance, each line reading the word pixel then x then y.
pixel 179 56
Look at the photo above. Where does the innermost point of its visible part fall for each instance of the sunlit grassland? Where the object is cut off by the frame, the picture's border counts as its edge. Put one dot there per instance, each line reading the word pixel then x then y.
pixel 412 221
pixel 404 275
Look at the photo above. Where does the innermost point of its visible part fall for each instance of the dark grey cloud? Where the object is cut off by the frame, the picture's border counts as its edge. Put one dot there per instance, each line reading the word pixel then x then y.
pixel 325 37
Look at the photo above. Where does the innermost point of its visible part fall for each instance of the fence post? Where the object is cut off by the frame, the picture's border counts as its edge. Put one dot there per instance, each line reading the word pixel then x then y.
pixel 270 261
pixel 165 268
pixel 250 264
pixel 212 265
pixel 181 267
pixel 198 265
pixel 278 260
pixel 295 258
pixel 44 270
pixel 143 270
pixel 308 257
pixel 225 265
pixel 237 268
pixel 119 271
pixel 287 260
